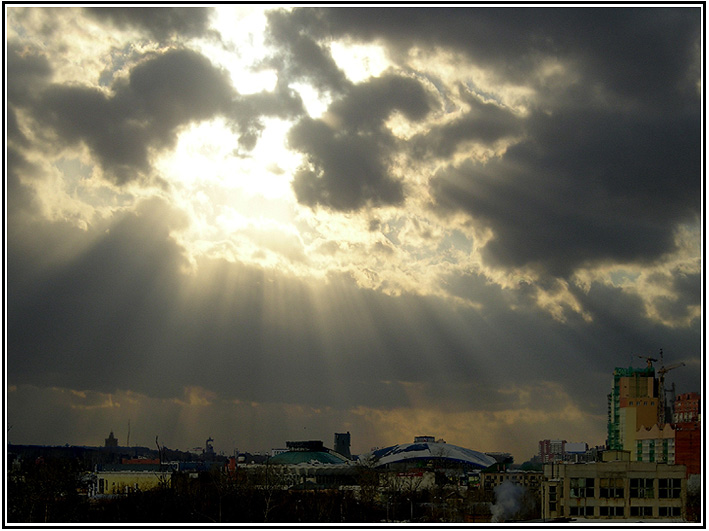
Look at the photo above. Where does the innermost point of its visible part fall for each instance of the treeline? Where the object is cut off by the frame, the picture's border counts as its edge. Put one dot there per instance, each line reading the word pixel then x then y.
pixel 50 490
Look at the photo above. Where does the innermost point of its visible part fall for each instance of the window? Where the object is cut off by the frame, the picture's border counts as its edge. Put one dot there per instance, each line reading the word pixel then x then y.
pixel 612 511
pixel 552 493
pixel 669 487
pixel 581 488
pixel 641 511
pixel 642 488
pixel 581 511
pixel 611 488
pixel 672 512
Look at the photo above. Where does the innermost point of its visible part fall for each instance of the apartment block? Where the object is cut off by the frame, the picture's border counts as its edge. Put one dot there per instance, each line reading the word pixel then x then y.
pixel 615 488
pixel 655 444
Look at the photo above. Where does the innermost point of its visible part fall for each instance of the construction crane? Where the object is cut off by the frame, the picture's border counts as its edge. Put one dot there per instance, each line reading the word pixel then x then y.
pixel 661 391
pixel 649 360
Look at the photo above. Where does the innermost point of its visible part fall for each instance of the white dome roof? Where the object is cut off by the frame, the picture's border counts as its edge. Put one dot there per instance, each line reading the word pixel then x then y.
pixel 431 450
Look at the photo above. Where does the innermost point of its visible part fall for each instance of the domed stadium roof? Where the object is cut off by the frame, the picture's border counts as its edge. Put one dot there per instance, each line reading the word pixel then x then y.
pixel 301 457
pixel 428 451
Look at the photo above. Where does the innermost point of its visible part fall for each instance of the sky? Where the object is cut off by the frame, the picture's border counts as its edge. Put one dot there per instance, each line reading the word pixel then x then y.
pixel 263 224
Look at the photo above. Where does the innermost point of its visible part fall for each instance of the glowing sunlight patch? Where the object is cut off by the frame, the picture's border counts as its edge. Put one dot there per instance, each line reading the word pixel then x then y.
pixel 241 47
pixel 359 61
pixel 240 205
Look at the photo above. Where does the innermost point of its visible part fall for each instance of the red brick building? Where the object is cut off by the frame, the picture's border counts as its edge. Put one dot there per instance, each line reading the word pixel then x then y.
pixel 688 446
pixel 688 439
pixel 686 408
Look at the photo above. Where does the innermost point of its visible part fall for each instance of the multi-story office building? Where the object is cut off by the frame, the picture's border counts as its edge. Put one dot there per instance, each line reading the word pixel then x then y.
pixel 615 488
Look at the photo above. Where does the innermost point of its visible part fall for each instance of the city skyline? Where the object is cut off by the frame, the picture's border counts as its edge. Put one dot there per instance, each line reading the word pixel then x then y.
pixel 262 224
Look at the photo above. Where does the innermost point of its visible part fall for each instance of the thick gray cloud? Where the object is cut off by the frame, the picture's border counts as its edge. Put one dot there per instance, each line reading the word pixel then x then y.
pixel 585 187
pixel 159 22
pixel 591 180
pixel 300 57
pixel 123 315
pixel 598 166
pixel 638 52
pixel 145 111
pixel 31 72
pixel 349 155
pixel 484 123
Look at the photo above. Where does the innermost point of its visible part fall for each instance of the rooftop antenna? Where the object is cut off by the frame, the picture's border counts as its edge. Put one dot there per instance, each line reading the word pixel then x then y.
pixel 128 438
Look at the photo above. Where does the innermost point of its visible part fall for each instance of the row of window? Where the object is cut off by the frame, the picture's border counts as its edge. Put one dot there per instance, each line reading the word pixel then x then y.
pixel 615 488
pixel 646 511
pixel 638 403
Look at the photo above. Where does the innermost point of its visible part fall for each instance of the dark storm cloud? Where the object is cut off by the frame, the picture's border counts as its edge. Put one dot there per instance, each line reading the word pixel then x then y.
pixel 283 102
pixel 300 57
pixel 483 123
pixel 584 188
pixel 638 52
pixel 89 305
pixel 144 112
pixel 159 22
pixel 625 331
pixel 684 294
pixel 528 346
pixel 121 315
pixel 349 150
pixel 17 165
pixel 30 72
pixel 603 169
pixel 607 166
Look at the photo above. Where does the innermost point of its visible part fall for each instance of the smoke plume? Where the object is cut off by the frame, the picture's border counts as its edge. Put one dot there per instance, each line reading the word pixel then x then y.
pixel 508 501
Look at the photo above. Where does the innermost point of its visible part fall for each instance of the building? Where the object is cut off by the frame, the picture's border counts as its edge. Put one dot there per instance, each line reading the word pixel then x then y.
pixel 111 441
pixel 632 403
pixel 121 479
pixel 306 465
pixel 616 488
pixel 530 479
pixel 427 452
pixel 688 446
pixel 561 451
pixel 655 444
pixel 551 451
pixel 342 444
pixel 686 408
pixel 303 452
pixel 572 449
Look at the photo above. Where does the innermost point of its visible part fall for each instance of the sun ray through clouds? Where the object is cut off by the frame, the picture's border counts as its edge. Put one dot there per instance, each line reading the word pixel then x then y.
pixel 263 223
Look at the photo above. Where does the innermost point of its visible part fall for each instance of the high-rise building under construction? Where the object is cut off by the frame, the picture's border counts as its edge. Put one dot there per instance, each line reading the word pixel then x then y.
pixel 632 403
